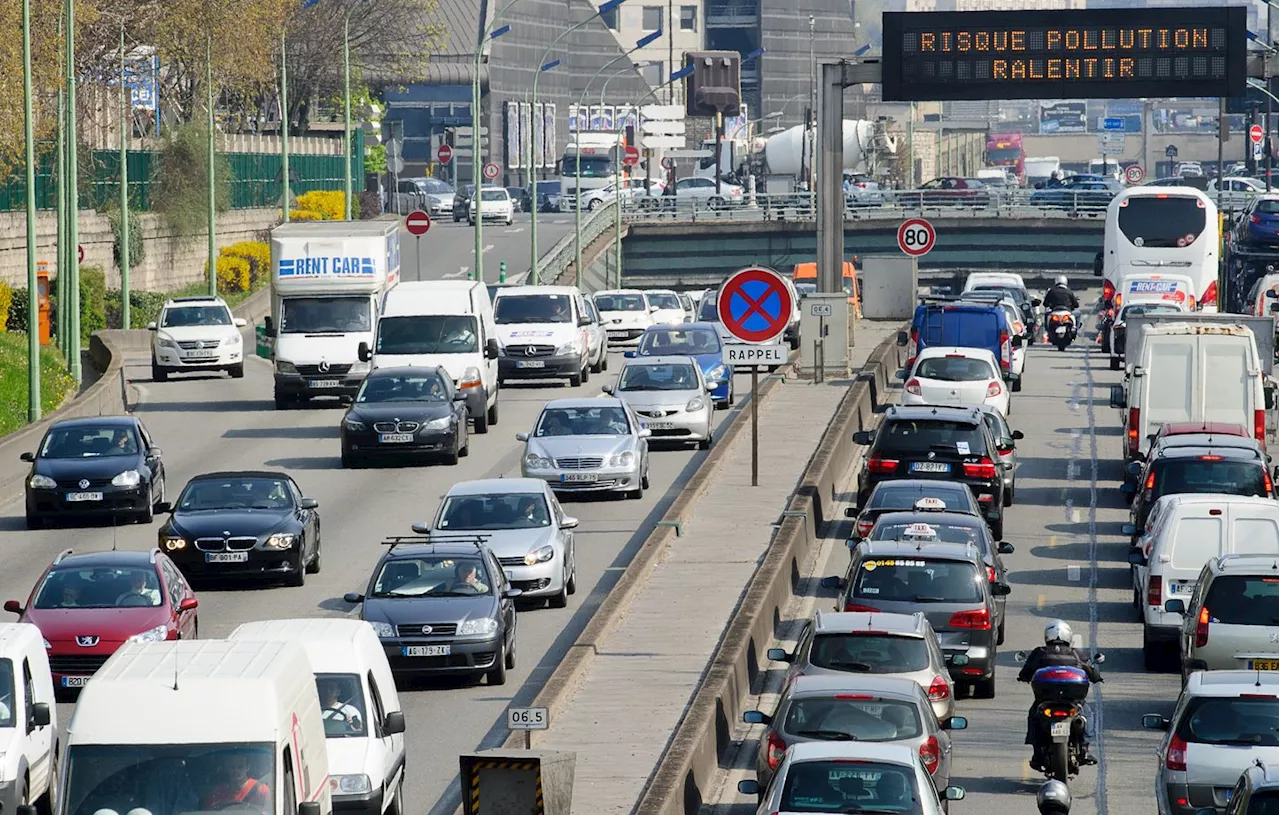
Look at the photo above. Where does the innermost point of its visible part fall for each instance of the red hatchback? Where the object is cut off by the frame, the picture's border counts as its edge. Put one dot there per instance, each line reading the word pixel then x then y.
pixel 87 606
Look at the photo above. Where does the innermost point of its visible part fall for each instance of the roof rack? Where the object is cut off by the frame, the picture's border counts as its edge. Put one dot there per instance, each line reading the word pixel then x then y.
pixel 61 555
pixel 427 537
pixel 192 298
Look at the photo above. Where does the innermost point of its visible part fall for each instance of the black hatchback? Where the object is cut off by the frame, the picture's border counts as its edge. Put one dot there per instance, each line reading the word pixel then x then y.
pixel 925 441
pixel 405 412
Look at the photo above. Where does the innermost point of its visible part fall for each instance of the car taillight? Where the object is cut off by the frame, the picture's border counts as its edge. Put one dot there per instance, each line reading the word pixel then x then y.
pixel 777 749
pixel 882 466
pixel 864 528
pixel 1255 219
pixel 1176 757
pixel 930 753
pixel 1210 294
pixel 939 690
pixel 1267 484
pixel 1151 481
pixel 913 387
pixel 1108 291
pixel 1131 433
pixel 1155 590
pixel 991 574
pixel 852 606
pixel 978 618
pixel 1202 627
pixel 993 389
pixel 1006 350
pixel 985 469
pixel 1260 426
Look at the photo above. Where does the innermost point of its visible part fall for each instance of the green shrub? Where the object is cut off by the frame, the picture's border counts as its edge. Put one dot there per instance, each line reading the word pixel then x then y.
pixel 368 205
pixel 144 307
pixel 93 302
pixel 137 245
pixel 181 184
pixel 16 322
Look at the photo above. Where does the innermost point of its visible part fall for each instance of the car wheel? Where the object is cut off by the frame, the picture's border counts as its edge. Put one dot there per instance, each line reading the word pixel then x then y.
pixel 593 205
pixel 349 461
pixel 34 521
pixel 493 412
pixel 561 598
pixel 575 379
pixel 465 449
pixel 498 676
pixel 510 221
pixel 397 803
pixel 480 421
pixel 236 371
pixel 644 481
pixel 586 372
pixel 314 566
pixel 158 373
pixel 637 494
pixel 1152 653
pixel 1009 494
pixel 572 585
pixel 148 515
pixel 298 574
pixel 706 443
pixel 48 802
pixel 985 689
pixel 1016 385
pixel 1000 634
pixel 510 660
pixel 604 357
pixel 283 402
pixel 997 528
pixel 597 366
pixel 451 458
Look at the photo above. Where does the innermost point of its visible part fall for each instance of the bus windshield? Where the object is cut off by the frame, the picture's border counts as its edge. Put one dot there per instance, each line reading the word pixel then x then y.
pixel 1161 222
pixel 587 166
pixel 997 156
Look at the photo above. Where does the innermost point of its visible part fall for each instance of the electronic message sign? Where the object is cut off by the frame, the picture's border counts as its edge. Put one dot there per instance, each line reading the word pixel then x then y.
pixel 1067 54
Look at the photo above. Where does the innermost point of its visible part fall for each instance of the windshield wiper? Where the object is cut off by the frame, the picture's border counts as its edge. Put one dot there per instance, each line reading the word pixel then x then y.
pixel 861 667
pixel 394 593
pixel 454 594
pixel 828 735
pixel 924 598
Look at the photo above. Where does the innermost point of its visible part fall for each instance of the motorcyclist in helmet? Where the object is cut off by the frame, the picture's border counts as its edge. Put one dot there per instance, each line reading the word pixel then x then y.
pixel 1056 652
pixel 1053 798
pixel 1060 295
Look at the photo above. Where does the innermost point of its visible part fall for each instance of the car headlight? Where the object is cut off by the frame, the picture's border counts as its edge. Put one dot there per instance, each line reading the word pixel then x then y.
pixel 470 378
pixel 158 634
pixel 280 541
pixel 718 372
pixel 48 646
pixel 128 478
pixel 695 404
pixel 173 543
pixel 350 784
pixel 234 339
pixel 42 482
pixel 354 425
pixel 483 627
pixel 359 368
pixel 383 630
pixel 540 555
pixel 165 342
pixel 533 461
pixel 438 424
pixel 567 349
pixel 283 367
pixel 622 459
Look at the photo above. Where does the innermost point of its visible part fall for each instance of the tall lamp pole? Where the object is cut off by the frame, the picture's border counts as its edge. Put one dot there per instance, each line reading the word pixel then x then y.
pixel 64 270
pixel 126 260
pixel 491 32
pixel 213 190
pixel 346 113
pixel 73 203
pixel 285 201
pixel 33 300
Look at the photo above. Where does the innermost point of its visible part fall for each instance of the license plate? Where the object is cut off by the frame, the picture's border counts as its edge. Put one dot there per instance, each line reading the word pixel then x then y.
pixel 1060 729
pixel 1182 588
pixel 617 335
pixel 74 681
pixel 660 425
pixel 395 438
pixel 426 650
pixel 530 363
pixel 930 467
pixel 1060 330
pixel 569 478
pixel 226 557
pixel 200 354
pixel 84 496
pixel 1264 664
pixel 323 383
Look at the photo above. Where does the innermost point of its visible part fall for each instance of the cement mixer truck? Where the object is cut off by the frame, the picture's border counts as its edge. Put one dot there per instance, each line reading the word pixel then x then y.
pixel 785 156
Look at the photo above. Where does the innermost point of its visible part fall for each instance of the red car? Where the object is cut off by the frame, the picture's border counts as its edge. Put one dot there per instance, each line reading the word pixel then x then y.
pixel 88 605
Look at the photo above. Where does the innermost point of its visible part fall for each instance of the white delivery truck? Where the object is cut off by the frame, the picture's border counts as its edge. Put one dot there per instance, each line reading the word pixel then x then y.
pixel 327 279
pixel 198 726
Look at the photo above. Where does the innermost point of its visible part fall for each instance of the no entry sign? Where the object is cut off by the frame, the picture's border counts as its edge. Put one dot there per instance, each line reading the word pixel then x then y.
pixel 755 304
pixel 1255 134
pixel 417 222
pixel 444 154
pixel 631 155
pixel 916 237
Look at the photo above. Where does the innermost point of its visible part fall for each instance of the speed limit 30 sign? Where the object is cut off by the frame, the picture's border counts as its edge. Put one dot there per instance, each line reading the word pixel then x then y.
pixel 916 237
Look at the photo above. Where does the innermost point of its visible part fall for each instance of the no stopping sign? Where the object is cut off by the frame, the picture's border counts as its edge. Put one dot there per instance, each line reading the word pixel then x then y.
pixel 916 237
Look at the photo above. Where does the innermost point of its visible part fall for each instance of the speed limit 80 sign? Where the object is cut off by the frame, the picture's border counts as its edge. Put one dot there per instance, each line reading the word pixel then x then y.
pixel 916 237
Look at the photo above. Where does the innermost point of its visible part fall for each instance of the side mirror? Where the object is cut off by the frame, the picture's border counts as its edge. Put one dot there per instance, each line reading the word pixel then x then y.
pixel 491 349
pixel 1269 398
pixel 353 597
pixel 269 326
pixel 1117 396
pixel 309 503
pixel 629 354
pixel 1020 657
pixel 1097 265
pixel 1004 548
pixel 393 723
pixel 13 606
pixel 955 723
pixel 154 452
pixel 954 793
pixel 27 457
pixel 863 437
pixel 584 322
pixel 239 322
pixel 777 655
pixel 851 512
pixel 522 437
pixel 607 389
pixel 1098 659
pixel 832 582
pixel 1001 589
pixel 1137 559
pixel 569 523
pixel 644 433
pixel 1036 302
pixel 459 396
pixel 901 373
pixel 1018 435
pixel 512 594
pixel 40 714
pixel 188 604
pixel 309 808
pixel 151 326
pixel 1134 468
pixel 1129 529
pixel 1154 721
pixel 755 717
pixel 653 309
pixel 420 528
pixel 902 338
pixel 1175 606
pixel 164 506
pixel 749 786
pixel 362 351
pixel 1016 342
pixel 1129 490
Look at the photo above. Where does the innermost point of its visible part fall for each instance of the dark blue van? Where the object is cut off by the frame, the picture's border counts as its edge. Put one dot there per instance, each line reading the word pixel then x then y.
pixel 963 325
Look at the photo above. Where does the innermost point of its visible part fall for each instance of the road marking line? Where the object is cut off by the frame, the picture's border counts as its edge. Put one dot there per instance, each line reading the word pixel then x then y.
pixel 514 230
pixel 1053 540
pixel 1073 573
pixel 458 273
pixel 1099 742
pixel 487 248
pixel 1040 602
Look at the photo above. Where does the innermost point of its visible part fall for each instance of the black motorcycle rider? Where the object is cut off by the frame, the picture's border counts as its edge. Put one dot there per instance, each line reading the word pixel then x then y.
pixel 1059 296
pixel 1056 652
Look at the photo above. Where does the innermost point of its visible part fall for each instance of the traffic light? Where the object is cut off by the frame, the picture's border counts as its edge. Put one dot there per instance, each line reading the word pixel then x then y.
pixel 714 86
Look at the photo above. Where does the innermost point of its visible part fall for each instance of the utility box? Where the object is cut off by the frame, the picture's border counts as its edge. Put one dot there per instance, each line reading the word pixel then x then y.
pixel 824 334
pixel 42 289
pixel 889 285
pixel 517 782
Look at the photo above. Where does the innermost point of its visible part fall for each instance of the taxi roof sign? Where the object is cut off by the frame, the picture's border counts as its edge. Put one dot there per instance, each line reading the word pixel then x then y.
pixel 919 531
pixel 930 505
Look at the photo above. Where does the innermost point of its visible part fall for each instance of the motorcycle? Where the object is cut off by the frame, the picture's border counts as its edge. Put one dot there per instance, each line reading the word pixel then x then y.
pixel 1059 729
pixel 1061 328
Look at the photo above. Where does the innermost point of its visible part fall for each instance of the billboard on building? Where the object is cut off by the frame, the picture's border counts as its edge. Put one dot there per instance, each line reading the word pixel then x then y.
pixel 1063 117
pixel 549 157
pixel 511 111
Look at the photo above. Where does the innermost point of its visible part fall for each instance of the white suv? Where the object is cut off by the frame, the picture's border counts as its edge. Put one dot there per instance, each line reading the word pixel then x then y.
pixel 196 334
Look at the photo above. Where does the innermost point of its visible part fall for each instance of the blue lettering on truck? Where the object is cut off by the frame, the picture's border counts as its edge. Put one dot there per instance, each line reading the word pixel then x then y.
pixel 337 266
pixel 1152 286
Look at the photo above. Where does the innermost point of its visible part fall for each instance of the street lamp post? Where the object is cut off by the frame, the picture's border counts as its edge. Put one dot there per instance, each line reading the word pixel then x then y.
pixel 284 128
pixel 604 8
pixel 125 258
pixel 72 171
pixel 33 300
pixel 346 113
pixel 213 190
pixel 490 33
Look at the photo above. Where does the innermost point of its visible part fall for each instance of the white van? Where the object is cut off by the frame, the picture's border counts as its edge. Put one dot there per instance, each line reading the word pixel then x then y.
pixel 1191 372
pixel 543 333
pixel 28 720
pixel 363 720
pixel 1184 532
pixel 446 323
pixel 197 726
pixel 626 313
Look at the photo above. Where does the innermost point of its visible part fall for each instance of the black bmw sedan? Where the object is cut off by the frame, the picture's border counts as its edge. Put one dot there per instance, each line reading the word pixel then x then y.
pixel 243 524
pixel 105 466
pixel 405 412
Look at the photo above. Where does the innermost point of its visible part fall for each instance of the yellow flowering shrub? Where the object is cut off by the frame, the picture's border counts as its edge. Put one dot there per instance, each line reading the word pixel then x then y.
pixel 258 256
pixel 233 274
pixel 331 204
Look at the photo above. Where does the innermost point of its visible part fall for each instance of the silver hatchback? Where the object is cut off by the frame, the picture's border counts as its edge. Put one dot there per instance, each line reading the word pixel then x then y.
pixel 671 397
pixel 1230 622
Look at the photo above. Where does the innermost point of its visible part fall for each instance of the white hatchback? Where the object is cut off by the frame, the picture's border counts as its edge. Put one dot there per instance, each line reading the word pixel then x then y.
pixel 955 376
pixel 196 334
pixel 495 205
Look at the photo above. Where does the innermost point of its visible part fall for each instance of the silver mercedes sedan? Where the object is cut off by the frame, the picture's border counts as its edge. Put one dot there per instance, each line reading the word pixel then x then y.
pixel 588 445
pixel 671 396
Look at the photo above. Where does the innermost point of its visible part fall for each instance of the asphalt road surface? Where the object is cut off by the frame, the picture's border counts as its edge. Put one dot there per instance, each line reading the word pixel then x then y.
pixel 209 423
pixel 448 249
pixel 1070 563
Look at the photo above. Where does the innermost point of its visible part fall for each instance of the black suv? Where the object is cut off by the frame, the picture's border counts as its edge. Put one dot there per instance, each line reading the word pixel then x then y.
pixel 441 604
pixel 1192 464
pixel 924 441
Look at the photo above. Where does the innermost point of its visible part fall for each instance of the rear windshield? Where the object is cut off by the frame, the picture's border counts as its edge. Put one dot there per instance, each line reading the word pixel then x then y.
pixel 886 496
pixel 921 436
pixel 532 308
pixel 850 786
pixel 869 653
pixel 1263 803
pixel 954 369
pixel 620 302
pixel 1244 600
pixel 1245 722
pixel 1271 206
pixel 1199 475
pixel 859 719
pixel 1161 223
pixel 907 580
pixel 945 533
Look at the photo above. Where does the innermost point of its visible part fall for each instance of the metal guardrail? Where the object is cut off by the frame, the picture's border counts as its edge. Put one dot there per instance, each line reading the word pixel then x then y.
pixel 555 262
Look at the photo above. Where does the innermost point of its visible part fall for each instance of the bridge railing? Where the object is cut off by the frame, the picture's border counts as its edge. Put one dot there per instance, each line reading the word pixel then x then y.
pixel 560 257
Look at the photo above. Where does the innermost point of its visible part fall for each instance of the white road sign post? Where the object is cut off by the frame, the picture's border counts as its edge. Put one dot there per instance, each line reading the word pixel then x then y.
pixel 528 719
